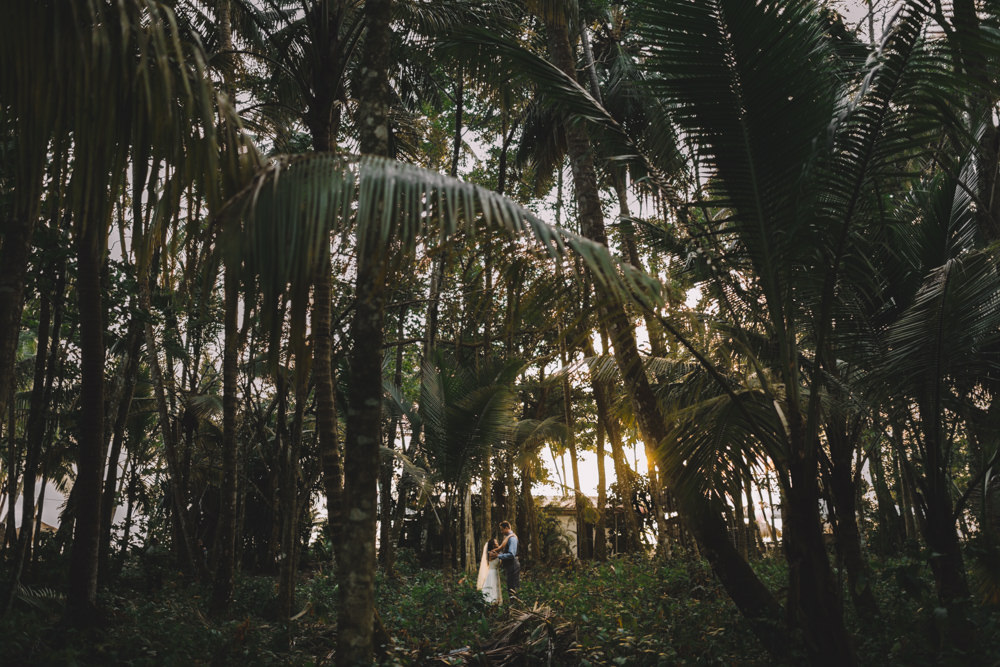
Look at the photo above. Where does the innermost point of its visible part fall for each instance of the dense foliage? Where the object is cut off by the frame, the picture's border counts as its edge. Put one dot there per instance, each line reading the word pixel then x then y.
pixel 299 297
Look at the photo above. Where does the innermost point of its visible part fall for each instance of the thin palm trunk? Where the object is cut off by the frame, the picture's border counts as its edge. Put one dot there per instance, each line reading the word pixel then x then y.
pixel 583 550
pixel 356 558
pixel 91 244
pixel 178 502
pixel 600 530
pixel 843 492
pixel 326 406
pixel 623 474
pixel 937 519
pixel 225 545
pixel 128 373
pixel 35 434
pixel 891 530
pixel 703 517
pixel 14 255
pixel 289 499
pixel 813 598
pixel 43 480
pixel 387 548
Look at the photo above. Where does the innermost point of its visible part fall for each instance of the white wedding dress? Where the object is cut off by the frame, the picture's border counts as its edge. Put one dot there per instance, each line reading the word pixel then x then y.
pixel 489 578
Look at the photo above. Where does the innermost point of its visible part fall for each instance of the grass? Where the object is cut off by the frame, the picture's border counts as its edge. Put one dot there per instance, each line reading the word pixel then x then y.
pixel 630 611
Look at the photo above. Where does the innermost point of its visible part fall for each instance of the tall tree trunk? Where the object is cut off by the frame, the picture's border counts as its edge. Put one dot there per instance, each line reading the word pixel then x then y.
pixel 937 519
pixel 701 515
pixel 128 374
pixel 289 500
pixel 356 557
pixel 225 543
pixel 469 554
pixel 91 244
pixel 753 530
pixel 387 548
pixel 131 481
pixel 13 266
pixel 848 536
pixel 326 405
pixel 35 434
pixel 39 508
pixel 583 548
pixel 891 530
pixel 600 530
pixel 13 476
pixel 739 515
pixel 456 151
pixel 899 464
pixel 323 119
pixel 813 599
pixel 975 67
pixel 623 474
pixel 178 502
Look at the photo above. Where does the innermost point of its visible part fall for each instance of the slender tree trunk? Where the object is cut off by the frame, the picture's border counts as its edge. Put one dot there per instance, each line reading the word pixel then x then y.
pixel 326 406
pixel 813 599
pixel 129 372
pixel 753 530
pixel 739 515
pixel 510 493
pixel 290 510
pixel 937 516
pixel 456 151
pixel 583 550
pixel 13 476
pixel 356 557
pixel 225 543
pixel 848 536
pixel 35 434
pixel 178 502
pixel 469 534
pixel 600 530
pixel 527 515
pixel 39 508
pixel 387 548
pixel 131 482
pixel 903 483
pixel 324 119
pixel 891 529
pixel 703 517
pixel 13 266
pixel 623 475
pixel 91 244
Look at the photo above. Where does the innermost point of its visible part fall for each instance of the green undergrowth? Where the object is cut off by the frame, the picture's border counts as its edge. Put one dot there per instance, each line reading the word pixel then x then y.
pixel 639 611
pixel 629 611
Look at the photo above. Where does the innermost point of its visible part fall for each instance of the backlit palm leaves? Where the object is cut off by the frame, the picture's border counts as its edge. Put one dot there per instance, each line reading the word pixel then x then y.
pixel 374 203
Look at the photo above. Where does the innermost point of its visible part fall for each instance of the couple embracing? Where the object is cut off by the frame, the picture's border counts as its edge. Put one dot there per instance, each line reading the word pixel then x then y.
pixel 496 556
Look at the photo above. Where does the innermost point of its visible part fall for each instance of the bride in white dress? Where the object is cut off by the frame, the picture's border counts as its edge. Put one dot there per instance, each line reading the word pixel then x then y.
pixel 489 575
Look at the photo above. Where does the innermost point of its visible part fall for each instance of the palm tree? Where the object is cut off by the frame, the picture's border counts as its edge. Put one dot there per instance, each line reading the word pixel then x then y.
pixel 463 411
pixel 796 160
pixel 936 350
pixel 423 205
pixel 79 49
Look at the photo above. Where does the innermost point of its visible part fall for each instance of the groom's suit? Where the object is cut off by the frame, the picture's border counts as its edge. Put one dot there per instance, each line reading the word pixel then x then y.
pixel 511 566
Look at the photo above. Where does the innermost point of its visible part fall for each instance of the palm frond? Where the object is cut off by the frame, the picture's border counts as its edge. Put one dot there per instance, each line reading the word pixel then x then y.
pixel 296 201
pixel 753 87
pixel 942 336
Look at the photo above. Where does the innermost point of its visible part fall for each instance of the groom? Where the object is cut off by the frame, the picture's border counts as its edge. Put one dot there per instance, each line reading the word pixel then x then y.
pixel 508 558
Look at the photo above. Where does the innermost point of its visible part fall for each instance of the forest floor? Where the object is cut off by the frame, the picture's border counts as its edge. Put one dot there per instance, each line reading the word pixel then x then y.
pixel 629 611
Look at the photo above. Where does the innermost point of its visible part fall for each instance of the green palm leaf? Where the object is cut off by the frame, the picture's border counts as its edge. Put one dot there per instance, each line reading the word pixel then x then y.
pixel 295 202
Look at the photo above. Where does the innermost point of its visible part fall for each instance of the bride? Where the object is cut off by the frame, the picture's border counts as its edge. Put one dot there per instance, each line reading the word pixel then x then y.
pixel 489 574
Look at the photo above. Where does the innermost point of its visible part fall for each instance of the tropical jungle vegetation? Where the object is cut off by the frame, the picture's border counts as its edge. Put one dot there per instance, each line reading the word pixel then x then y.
pixel 298 296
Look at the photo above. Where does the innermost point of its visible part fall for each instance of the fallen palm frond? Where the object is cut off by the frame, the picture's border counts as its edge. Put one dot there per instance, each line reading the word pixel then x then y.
pixel 534 636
